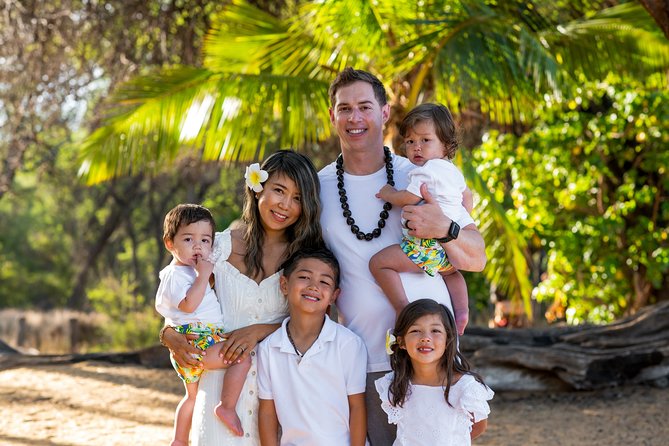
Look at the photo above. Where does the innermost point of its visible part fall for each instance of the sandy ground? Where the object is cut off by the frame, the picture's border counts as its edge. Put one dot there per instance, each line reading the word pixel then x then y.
pixel 96 403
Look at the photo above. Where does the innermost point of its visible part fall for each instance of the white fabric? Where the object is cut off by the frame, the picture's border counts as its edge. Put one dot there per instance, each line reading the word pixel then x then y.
pixel 425 419
pixel 243 302
pixel 175 281
pixel 446 184
pixel 311 394
pixel 363 307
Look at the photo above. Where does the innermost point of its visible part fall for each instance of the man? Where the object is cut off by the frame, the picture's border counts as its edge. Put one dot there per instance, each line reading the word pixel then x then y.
pixel 356 226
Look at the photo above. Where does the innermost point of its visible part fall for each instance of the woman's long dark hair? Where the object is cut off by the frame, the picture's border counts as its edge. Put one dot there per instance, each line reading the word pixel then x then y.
pixel 306 231
pixel 451 362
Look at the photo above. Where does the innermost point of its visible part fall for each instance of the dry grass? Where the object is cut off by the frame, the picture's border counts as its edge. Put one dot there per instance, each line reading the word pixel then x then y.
pixel 96 403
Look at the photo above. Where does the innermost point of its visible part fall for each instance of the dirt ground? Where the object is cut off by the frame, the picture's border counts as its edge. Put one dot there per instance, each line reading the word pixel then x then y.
pixel 97 403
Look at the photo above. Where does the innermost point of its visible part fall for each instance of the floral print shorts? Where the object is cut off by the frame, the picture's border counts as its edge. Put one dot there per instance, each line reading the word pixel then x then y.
pixel 428 254
pixel 209 334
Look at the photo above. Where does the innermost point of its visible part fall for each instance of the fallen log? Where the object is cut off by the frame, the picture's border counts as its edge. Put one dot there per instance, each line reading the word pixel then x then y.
pixel 155 356
pixel 632 350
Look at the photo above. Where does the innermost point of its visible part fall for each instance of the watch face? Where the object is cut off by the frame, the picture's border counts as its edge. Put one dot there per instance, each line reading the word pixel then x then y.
pixel 453 230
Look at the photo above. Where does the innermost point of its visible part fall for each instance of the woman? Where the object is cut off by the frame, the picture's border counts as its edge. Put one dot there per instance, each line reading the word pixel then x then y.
pixel 281 215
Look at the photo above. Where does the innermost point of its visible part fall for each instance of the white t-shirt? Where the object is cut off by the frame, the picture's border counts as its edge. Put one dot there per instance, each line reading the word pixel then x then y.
pixel 362 306
pixel 446 184
pixel 175 281
pixel 425 419
pixel 311 394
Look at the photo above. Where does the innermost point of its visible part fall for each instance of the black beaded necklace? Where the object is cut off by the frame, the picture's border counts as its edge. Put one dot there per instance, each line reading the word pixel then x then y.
pixel 343 199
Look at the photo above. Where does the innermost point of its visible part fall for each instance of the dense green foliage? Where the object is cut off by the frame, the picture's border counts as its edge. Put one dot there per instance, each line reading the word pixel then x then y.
pixel 588 185
pixel 571 185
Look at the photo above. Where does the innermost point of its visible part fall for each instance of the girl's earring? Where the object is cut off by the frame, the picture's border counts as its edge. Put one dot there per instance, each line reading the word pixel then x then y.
pixel 257 195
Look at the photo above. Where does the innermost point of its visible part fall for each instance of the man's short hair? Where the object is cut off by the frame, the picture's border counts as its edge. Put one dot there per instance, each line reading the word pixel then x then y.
pixel 350 75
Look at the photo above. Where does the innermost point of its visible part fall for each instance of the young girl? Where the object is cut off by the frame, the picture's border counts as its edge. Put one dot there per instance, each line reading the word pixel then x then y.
pixel 281 216
pixel 431 394
pixel 430 140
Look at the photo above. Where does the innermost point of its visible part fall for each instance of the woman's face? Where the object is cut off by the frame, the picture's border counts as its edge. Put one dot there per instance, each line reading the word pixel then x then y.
pixel 279 203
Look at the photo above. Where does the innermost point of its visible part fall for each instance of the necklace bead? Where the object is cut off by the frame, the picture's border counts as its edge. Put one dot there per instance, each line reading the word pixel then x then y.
pixel 343 199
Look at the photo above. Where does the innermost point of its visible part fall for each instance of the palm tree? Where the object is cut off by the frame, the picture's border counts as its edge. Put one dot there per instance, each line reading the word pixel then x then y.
pixel 264 80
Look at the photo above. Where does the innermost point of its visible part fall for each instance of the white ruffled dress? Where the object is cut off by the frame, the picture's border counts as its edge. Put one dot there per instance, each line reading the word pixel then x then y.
pixel 243 302
pixel 426 419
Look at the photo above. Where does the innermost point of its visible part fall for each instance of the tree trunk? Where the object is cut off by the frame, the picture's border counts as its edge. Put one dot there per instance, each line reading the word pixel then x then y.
pixel 659 10
pixel 121 209
pixel 631 350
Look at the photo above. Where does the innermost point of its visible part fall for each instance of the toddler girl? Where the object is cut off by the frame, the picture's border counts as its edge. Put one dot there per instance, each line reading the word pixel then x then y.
pixel 430 140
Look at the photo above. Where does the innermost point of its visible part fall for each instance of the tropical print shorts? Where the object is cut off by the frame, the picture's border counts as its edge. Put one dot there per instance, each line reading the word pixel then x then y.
pixel 209 334
pixel 427 254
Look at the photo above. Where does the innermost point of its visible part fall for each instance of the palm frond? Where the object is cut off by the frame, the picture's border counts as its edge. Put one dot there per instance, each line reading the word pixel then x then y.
pixel 506 249
pixel 218 115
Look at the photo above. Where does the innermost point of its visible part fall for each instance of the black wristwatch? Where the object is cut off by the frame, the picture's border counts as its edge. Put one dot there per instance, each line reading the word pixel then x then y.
pixel 453 232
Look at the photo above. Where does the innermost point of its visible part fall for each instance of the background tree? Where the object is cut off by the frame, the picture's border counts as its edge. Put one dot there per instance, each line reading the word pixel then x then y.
pixel 264 80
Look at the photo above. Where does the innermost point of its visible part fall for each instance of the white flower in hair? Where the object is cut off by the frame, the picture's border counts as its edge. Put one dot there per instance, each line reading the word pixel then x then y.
pixel 390 341
pixel 255 176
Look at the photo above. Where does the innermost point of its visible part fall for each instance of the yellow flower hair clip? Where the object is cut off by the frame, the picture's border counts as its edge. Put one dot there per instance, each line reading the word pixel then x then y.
pixel 255 176
pixel 390 341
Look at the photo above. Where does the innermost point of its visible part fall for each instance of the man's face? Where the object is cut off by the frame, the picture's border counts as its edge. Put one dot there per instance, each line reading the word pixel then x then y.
pixel 358 117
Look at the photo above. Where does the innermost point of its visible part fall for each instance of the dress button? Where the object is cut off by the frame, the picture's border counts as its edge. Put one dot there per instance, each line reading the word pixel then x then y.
pixel 250 412
pixel 247 435
pixel 253 373
pixel 250 392
pixel 259 301
pixel 253 353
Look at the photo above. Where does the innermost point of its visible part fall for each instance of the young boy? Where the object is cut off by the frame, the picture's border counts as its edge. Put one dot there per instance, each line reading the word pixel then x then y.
pixel 189 304
pixel 311 371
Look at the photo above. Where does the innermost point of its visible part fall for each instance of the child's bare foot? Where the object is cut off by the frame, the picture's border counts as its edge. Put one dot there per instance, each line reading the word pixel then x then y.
pixel 230 419
pixel 179 443
pixel 461 321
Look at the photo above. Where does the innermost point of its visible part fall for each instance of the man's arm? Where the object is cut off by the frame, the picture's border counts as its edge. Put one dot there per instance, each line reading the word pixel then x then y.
pixel 268 423
pixel 466 253
pixel 357 419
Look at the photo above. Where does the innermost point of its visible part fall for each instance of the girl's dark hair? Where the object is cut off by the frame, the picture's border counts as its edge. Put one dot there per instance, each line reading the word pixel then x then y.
pixel 306 231
pixel 444 125
pixel 451 362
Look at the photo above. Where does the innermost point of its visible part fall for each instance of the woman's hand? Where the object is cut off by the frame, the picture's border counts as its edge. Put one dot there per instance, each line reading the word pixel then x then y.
pixel 241 342
pixel 181 349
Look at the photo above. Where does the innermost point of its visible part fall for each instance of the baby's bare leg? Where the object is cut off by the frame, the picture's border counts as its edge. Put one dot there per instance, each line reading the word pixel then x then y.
pixel 385 266
pixel 457 288
pixel 184 416
pixel 233 382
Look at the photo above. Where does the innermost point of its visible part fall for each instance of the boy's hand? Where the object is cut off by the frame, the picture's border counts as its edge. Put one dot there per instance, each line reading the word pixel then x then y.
pixel 386 192
pixel 203 265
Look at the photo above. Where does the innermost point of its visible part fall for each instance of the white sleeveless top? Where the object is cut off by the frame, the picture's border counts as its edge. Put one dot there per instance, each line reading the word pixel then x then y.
pixel 243 302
